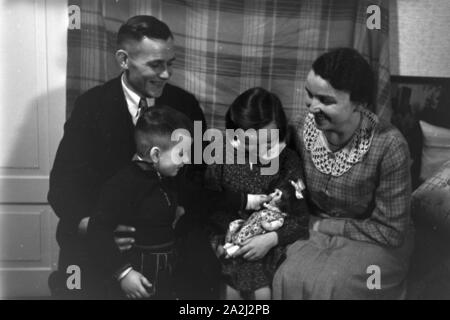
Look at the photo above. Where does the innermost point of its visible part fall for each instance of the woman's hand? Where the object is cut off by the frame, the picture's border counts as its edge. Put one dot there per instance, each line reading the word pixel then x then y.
pixel 314 223
pixel 134 285
pixel 257 247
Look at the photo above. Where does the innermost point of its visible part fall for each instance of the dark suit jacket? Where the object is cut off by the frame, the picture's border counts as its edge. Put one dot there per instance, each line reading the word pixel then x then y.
pixel 97 142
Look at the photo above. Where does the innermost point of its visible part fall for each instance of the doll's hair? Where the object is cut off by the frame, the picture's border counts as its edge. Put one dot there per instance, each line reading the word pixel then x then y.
pixel 288 199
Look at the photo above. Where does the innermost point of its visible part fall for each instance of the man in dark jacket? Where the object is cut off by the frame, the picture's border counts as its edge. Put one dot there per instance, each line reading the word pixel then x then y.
pixel 98 141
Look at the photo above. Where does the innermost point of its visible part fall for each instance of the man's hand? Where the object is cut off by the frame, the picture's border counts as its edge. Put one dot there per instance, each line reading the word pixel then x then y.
pixel 255 201
pixel 178 214
pixel 122 243
pixel 83 225
pixel 257 247
pixel 134 285
pixel 314 223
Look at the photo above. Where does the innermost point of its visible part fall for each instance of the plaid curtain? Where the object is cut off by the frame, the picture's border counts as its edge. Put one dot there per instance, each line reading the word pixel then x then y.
pixel 225 47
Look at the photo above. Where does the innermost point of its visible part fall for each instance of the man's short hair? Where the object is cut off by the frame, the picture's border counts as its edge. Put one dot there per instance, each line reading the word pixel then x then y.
pixel 138 27
pixel 155 127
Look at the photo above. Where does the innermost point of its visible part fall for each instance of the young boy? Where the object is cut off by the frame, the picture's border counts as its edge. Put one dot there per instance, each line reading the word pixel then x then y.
pixel 144 195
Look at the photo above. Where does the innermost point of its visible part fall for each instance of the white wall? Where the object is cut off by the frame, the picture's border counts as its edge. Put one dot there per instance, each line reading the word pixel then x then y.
pixel 33 58
pixel 420 37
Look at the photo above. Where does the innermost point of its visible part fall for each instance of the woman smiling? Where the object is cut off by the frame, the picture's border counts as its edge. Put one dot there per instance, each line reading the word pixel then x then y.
pixel 357 176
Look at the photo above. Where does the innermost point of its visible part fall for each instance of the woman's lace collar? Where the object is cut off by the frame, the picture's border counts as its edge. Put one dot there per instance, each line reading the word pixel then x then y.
pixel 339 162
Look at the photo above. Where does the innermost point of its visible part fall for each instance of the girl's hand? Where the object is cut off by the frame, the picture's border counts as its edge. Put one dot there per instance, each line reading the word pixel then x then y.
pixel 255 201
pixel 257 247
pixel 134 285
pixel 217 247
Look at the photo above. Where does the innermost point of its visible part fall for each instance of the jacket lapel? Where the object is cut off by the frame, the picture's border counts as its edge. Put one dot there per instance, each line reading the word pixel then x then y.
pixel 116 124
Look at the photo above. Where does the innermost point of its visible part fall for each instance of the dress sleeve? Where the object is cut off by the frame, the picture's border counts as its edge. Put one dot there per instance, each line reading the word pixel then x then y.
pixel 115 202
pixel 391 216
pixel 220 201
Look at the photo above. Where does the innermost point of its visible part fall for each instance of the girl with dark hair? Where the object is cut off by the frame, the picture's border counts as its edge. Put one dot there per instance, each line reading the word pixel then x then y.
pixel 249 271
pixel 357 176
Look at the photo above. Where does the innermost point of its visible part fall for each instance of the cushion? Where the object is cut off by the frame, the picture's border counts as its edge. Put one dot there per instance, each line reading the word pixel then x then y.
pixel 436 148
pixel 431 201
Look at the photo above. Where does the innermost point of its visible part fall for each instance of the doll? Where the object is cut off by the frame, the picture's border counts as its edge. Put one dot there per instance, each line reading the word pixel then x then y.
pixel 268 219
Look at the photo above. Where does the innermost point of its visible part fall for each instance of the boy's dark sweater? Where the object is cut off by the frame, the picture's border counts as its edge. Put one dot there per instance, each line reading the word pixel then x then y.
pixel 137 198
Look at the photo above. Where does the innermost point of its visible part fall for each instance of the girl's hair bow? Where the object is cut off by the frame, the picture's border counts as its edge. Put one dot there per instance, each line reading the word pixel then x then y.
pixel 299 187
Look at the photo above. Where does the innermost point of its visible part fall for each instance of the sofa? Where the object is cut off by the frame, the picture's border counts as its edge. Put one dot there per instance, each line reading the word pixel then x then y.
pixel 429 275
pixel 420 110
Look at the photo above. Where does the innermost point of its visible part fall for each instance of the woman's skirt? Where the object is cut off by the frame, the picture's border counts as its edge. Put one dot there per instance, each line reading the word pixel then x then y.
pixel 334 267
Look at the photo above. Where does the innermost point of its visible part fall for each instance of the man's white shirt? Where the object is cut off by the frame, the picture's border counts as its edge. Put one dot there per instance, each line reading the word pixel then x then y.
pixel 133 99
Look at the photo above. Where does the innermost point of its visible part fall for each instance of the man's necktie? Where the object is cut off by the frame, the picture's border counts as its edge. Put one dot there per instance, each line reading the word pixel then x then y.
pixel 143 106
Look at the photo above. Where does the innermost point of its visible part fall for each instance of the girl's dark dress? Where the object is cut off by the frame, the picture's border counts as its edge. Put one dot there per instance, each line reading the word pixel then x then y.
pixel 247 276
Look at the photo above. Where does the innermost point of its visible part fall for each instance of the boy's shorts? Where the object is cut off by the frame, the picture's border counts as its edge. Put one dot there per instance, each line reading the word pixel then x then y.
pixel 156 263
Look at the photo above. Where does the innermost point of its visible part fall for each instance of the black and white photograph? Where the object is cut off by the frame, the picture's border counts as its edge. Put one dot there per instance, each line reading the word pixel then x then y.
pixel 216 150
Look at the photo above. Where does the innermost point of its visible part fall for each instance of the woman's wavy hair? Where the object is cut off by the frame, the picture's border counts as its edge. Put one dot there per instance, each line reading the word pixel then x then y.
pixel 347 70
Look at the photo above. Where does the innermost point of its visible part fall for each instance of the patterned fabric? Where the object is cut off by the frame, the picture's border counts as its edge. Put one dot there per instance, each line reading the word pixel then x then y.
pixel 243 275
pixel 247 179
pixel 338 163
pixel 241 230
pixel 225 47
pixel 364 220
pixel 371 200
pixel 328 267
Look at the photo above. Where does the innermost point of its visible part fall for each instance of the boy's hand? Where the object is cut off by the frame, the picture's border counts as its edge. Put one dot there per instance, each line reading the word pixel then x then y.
pixel 255 201
pixel 134 285
pixel 124 243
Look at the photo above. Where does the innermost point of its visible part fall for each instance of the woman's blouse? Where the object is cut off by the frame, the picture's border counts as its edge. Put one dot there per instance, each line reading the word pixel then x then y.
pixel 363 190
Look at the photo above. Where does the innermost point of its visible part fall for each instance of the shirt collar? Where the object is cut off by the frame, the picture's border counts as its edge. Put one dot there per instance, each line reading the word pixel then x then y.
pixel 133 99
pixel 339 162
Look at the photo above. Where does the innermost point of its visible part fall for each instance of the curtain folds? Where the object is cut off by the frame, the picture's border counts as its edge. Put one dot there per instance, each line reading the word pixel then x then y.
pixel 225 47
